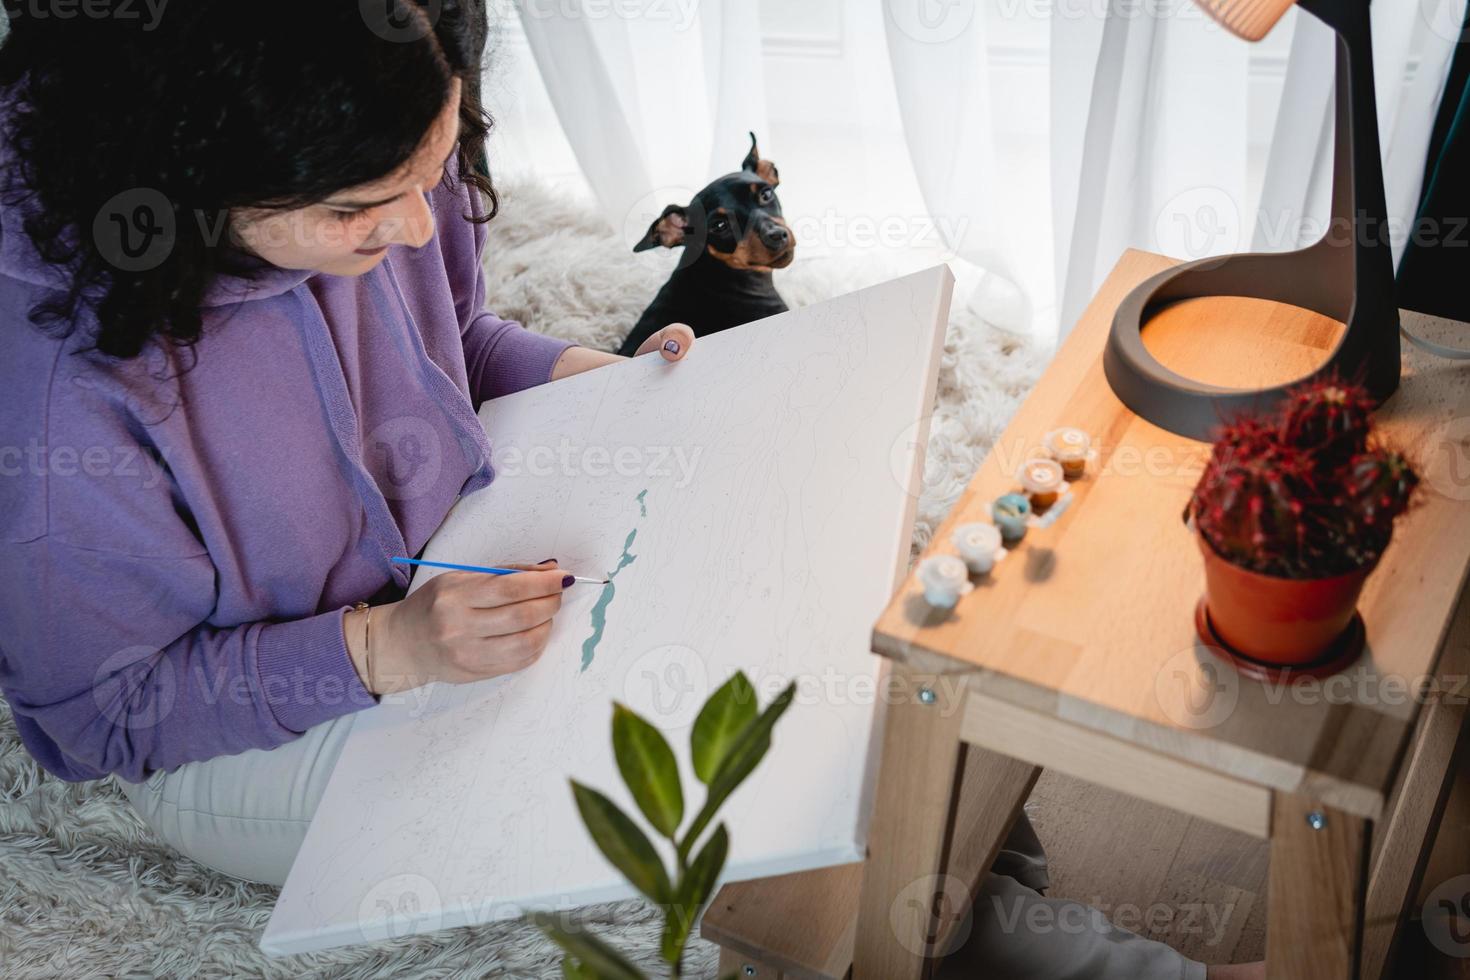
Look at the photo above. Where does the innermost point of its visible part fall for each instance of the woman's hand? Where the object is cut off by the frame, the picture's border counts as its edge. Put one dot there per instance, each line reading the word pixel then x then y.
pixel 672 342
pixel 459 627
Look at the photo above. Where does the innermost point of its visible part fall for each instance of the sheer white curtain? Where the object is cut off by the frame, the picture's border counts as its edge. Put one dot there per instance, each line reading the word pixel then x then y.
pixel 942 79
pixel 1413 45
pixel 1148 138
pixel 1150 111
pixel 650 96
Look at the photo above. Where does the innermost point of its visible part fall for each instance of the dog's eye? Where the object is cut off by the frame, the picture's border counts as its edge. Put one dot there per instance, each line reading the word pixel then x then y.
pixel 766 195
pixel 719 224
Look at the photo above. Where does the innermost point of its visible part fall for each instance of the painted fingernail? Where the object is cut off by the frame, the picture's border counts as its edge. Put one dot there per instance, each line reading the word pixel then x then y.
pixel 546 561
pixel 567 581
pixel 672 347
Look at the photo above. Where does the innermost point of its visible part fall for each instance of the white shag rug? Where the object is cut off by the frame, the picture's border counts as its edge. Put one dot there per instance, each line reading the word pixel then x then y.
pixel 86 890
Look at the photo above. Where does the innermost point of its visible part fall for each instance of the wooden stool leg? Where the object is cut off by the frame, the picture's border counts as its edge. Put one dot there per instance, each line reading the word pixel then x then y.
pixel 1314 898
pixel 1438 944
pixel 912 815
pixel 1407 833
pixel 942 810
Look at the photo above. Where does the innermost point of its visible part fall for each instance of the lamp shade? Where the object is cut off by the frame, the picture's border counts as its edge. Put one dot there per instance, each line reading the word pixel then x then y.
pixel 1250 19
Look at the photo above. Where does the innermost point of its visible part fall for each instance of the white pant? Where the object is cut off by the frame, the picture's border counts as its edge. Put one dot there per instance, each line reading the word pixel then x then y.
pixel 247 814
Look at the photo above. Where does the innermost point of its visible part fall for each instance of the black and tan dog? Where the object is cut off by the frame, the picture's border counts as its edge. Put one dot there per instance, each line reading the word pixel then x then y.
pixel 733 236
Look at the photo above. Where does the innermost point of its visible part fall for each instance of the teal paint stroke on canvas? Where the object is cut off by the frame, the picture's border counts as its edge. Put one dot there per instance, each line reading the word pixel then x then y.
pixel 599 611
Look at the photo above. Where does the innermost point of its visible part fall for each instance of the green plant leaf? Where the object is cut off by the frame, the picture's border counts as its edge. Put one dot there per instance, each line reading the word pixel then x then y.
pixel 693 891
pixel 722 718
pixel 571 969
pixel 744 755
pixel 594 958
pixel 622 843
pixel 705 870
pixel 648 768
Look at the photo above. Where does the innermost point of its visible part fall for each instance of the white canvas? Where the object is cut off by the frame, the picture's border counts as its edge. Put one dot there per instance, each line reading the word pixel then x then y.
pixel 755 503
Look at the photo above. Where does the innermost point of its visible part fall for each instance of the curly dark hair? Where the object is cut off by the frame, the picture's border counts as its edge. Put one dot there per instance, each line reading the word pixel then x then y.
pixel 214 105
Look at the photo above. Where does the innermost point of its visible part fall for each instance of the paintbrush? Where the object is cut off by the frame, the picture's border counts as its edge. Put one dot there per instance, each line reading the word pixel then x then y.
pixel 486 569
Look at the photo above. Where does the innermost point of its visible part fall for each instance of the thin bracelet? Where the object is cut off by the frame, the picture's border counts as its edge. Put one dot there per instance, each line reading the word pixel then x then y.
pixel 367 645
pixel 367 651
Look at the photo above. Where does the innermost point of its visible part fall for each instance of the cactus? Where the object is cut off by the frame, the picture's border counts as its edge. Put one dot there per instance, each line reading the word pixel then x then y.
pixel 1327 418
pixel 1303 493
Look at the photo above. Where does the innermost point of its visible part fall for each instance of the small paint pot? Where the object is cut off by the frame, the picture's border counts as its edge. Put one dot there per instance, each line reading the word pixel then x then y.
pixel 979 545
pixel 1070 447
pixel 1011 513
pixel 1043 481
pixel 945 579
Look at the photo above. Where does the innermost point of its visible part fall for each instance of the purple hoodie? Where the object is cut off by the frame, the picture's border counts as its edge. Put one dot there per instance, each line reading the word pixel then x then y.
pixel 180 534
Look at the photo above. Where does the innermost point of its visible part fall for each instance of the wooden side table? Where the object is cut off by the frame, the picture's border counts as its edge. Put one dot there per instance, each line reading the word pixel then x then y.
pixel 1079 654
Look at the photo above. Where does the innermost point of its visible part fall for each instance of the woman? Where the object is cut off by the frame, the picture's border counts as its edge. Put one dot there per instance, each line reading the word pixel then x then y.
pixel 247 243
pixel 240 258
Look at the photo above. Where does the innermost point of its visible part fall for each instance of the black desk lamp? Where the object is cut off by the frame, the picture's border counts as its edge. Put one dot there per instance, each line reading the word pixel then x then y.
pixel 1347 275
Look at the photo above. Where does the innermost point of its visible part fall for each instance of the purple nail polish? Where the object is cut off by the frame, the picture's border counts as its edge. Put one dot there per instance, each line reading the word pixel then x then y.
pixel 672 347
pixel 567 581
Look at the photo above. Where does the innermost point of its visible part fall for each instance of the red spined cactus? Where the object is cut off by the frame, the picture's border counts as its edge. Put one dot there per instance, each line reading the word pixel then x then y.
pixel 1380 484
pixel 1328 418
pixel 1304 493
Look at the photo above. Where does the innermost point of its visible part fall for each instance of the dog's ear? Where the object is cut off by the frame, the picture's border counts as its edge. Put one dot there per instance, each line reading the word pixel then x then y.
pixel 667 229
pixel 765 169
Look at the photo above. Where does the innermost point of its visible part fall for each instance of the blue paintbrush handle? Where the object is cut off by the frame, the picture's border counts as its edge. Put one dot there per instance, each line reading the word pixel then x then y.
pixel 458 568
pixel 486 569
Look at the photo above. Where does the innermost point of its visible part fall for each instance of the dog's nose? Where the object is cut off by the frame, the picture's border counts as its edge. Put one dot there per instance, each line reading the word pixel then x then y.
pixel 776 236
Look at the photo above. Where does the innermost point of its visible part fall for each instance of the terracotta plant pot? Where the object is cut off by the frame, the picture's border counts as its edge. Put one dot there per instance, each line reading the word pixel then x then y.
pixel 1278 620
